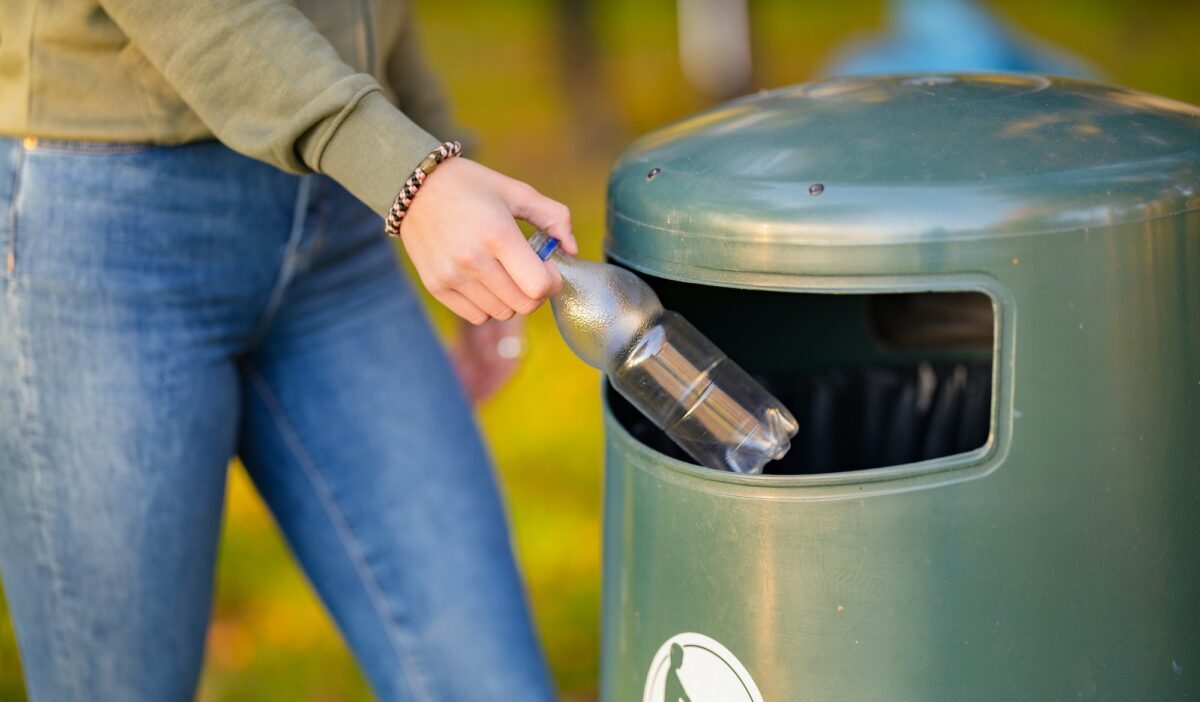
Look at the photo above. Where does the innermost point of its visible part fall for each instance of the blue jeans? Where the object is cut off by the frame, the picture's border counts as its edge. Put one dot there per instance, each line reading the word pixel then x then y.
pixel 165 308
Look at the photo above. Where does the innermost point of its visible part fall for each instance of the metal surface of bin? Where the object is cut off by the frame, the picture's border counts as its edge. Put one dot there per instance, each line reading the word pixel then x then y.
pixel 1058 560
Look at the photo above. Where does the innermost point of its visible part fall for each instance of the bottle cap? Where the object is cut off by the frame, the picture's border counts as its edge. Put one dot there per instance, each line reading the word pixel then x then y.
pixel 543 244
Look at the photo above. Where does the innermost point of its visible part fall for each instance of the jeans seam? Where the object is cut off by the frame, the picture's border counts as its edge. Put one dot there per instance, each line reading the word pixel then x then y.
pixel 345 534
pixel 324 204
pixel 289 264
pixel 10 257
pixel 316 218
pixel 29 430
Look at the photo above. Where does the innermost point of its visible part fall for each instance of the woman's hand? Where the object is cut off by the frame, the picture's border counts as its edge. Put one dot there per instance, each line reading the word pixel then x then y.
pixel 461 236
pixel 486 356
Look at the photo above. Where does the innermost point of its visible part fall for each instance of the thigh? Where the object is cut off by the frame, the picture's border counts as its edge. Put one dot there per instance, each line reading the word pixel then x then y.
pixel 359 438
pixel 116 425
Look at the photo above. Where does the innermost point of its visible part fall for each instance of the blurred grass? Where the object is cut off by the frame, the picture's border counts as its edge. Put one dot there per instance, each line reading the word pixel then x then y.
pixel 270 640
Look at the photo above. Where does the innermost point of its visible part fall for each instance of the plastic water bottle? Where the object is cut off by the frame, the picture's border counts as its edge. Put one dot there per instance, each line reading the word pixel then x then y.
pixel 665 367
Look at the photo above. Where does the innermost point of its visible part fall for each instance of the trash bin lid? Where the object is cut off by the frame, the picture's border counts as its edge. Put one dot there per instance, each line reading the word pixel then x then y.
pixel 806 179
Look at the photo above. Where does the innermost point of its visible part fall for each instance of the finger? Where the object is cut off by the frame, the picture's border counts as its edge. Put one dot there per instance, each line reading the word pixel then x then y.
pixel 462 307
pixel 536 278
pixel 550 215
pixel 485 300
pixel 502 286
pixel 555 277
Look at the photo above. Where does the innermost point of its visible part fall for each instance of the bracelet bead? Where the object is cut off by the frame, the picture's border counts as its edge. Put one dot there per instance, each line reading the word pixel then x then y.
pixel 404 199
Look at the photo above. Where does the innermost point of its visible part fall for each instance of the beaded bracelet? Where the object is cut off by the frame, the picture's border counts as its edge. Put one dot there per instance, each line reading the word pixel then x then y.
pixel 449 149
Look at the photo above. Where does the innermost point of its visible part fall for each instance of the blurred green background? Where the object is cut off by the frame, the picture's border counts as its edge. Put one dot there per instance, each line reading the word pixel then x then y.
pixel 518 76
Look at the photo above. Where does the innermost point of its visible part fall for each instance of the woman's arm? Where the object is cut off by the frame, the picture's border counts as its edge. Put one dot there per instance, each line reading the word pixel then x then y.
pixel 270 86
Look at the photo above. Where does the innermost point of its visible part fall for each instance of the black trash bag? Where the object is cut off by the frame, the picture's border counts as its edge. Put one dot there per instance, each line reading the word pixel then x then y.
pixel 864 417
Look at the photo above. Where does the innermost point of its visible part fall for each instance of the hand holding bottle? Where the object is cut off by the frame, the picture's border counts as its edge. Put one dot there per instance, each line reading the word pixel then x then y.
pixel 462 237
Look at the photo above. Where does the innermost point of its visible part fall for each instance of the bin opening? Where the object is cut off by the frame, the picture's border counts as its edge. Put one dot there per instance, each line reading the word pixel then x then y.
pixel 873 379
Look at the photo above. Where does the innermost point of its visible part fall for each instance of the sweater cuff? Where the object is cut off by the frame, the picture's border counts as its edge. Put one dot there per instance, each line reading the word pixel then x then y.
pixel 374 150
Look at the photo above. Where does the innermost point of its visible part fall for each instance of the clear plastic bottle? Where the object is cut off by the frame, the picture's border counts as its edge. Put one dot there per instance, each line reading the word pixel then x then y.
pixel 665 367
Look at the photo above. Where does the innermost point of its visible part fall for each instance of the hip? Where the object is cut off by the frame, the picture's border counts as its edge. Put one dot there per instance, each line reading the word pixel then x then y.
pixel 178 236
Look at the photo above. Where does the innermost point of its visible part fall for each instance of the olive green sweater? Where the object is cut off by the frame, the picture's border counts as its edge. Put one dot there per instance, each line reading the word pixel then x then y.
pixel 330 86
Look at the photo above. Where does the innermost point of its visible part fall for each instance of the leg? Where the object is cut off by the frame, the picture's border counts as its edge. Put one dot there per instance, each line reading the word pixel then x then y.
pixel 118 415
pixel 358 437
pixel 109 513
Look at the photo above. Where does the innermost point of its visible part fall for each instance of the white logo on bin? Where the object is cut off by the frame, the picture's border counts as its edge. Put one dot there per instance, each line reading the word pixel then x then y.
pixel 691 667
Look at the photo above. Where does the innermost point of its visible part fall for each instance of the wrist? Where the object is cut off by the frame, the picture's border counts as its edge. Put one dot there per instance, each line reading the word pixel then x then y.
pixel 412 186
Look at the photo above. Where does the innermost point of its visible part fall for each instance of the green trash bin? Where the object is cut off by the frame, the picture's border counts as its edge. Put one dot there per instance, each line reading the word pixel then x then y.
pixel 980 296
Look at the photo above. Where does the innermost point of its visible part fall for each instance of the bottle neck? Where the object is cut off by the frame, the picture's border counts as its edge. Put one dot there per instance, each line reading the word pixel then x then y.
pixel 544 245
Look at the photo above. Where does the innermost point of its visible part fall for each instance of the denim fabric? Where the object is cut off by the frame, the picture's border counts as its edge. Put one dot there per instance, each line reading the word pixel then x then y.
pixel 168 307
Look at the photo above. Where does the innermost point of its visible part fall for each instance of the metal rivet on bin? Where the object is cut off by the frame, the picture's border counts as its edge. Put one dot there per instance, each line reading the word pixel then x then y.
pixel 653 173
pixel 816 189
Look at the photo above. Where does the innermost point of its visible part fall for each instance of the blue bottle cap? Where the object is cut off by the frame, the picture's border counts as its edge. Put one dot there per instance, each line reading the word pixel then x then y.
pixel 544 245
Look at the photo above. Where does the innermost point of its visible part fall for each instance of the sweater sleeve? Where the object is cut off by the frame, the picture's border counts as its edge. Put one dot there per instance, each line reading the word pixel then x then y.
pixel 268 85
